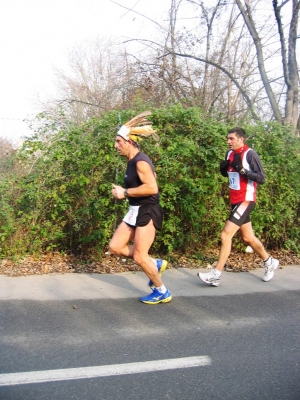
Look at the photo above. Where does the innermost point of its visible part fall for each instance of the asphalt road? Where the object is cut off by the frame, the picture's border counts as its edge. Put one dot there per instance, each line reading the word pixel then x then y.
pixel 246 330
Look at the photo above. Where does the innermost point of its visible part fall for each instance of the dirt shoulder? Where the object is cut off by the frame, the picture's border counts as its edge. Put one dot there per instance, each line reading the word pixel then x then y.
pixel 107 264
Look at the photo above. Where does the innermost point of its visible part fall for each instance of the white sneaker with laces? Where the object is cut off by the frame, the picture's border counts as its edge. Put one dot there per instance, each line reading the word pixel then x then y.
pixel 210 278
pixel 270 266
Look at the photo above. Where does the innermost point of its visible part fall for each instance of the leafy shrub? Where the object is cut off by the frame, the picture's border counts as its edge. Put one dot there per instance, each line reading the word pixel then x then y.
pixel 62 199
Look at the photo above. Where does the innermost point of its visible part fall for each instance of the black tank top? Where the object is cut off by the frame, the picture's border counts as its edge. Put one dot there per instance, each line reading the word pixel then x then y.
pixel 132 180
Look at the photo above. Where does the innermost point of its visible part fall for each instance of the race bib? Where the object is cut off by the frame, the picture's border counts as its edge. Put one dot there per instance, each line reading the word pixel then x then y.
pixel 234 180
pixel 131 216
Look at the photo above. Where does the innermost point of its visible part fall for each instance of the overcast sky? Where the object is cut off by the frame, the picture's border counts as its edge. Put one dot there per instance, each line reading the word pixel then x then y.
pixel 37 36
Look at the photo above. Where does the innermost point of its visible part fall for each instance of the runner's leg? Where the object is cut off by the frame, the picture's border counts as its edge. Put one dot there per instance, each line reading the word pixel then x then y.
pixel 143 239
pixel 249 237
pixel 227 234
pixel 119 242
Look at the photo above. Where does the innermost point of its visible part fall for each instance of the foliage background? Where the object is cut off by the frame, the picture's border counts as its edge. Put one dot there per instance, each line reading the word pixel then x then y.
pixel 55 193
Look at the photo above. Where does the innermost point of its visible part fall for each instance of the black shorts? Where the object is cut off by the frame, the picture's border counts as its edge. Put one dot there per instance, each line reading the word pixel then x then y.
pixel 240 213
pixel 142 215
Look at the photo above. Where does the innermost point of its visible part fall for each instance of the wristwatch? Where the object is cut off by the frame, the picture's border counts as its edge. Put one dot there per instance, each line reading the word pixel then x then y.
pixel 243 171
pixel 126 193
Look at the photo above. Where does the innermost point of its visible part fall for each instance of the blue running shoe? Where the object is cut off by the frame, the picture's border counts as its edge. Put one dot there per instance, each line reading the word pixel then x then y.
pixel 161 266
pixel 156 297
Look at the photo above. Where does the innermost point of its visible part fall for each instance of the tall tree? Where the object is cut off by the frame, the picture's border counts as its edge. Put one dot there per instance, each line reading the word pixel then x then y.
pixel 289 59
pixel 279 87
pixel 232 58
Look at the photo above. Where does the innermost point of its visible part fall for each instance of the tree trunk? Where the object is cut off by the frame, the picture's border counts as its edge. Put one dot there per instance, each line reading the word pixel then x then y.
pixel 292 103
pixel 260 59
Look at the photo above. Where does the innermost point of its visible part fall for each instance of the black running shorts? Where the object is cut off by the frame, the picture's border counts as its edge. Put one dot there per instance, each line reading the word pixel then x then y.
pixel 240 213
pixel 144 214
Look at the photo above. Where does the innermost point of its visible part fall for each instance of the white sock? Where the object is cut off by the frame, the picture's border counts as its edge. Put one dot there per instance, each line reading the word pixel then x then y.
pixel 217 272
pixel 268 261
pixel 162 289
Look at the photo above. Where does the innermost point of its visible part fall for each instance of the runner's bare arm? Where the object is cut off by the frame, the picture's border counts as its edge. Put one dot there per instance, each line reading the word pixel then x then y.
pixel 148 187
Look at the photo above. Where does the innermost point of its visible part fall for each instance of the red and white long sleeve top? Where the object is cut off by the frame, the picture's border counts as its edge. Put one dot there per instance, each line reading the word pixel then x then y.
pixel 243 187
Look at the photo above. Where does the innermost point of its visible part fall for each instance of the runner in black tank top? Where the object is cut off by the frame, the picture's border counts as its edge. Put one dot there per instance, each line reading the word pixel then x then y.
pixel 145 213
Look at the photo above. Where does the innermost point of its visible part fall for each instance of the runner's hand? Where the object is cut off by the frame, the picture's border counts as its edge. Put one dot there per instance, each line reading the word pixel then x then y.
pixel 237 163
pixel 118 192
pixel 224 164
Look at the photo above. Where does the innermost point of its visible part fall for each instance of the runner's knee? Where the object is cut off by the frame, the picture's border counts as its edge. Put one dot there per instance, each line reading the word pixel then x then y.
pixel 250 239
pixel 113 248
pixel 139 258
pixel 247 239
pixel 225 236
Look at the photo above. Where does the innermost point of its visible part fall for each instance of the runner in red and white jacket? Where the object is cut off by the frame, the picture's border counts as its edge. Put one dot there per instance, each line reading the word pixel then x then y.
pixel 244 170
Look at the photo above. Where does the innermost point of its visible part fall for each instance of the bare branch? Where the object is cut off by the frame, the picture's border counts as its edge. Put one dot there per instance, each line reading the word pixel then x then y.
pixel 244 94
pixel 70 101
pixel 136 12
pixel 260 59
pixel 282 42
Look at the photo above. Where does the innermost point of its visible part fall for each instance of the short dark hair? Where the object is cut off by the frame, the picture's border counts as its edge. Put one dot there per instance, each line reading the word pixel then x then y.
pixel 240 132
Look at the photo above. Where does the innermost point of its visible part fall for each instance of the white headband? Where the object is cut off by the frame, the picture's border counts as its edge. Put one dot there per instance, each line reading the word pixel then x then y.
pixel 123 132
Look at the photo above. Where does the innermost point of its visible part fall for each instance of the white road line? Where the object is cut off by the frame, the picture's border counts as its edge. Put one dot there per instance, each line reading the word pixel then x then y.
pixel 22 378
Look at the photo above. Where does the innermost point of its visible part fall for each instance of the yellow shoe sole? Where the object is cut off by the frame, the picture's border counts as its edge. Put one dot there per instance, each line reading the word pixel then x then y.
pixel 163 267
pixel 167 300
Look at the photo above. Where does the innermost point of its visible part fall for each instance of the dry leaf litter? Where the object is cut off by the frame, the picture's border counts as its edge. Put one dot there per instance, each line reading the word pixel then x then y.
pixel 108 264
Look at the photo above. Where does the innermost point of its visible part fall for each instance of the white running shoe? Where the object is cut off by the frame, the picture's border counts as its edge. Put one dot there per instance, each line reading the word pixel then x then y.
pixel 269 269
pixel 210 278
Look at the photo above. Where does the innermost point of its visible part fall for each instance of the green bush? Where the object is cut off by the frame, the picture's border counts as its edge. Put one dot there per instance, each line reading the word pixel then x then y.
pixel 62 198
